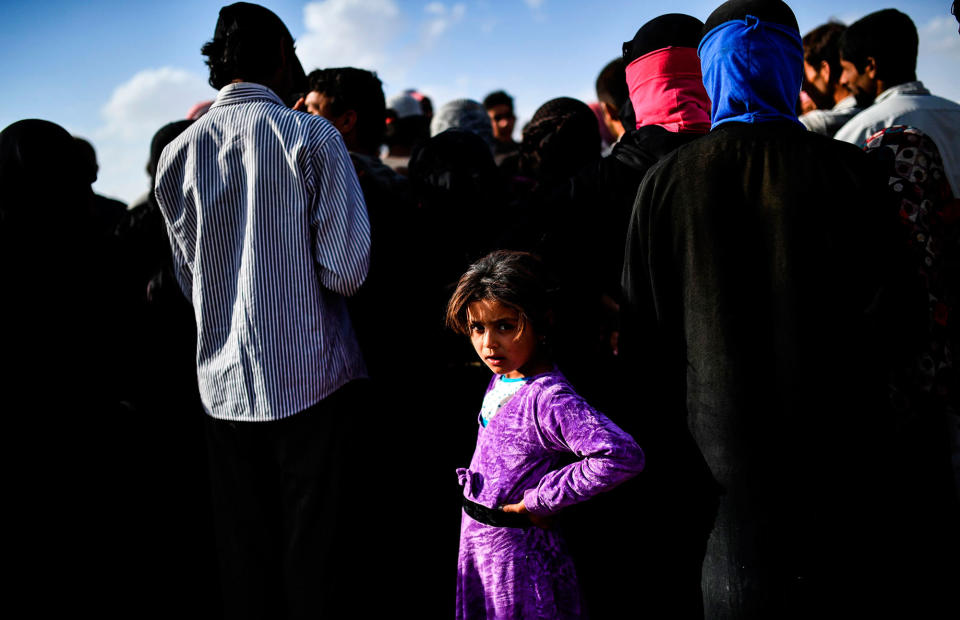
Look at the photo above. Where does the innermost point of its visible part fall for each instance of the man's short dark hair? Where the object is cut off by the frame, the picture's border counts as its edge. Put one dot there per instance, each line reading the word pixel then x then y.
pixel 890 38
pixel 349 88
pixel 498 97
pixel 612 84
pixel 823 44
pixel 248 44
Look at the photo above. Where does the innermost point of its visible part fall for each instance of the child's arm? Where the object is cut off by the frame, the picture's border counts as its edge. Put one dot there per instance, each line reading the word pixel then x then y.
pixel 608 455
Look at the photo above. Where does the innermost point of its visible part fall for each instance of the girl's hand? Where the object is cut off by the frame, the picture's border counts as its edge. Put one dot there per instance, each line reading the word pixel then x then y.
pixel 521 509
pixel 518 508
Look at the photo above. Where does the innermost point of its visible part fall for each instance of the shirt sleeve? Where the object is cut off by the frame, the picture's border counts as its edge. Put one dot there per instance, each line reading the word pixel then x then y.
pixel 170 201
pixel 338 218
pixel 607 455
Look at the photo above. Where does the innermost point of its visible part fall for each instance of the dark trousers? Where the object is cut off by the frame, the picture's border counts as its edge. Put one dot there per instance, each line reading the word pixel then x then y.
pixel 279 494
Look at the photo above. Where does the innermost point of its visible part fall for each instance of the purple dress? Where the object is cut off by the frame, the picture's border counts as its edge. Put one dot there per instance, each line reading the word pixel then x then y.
pixel 506 572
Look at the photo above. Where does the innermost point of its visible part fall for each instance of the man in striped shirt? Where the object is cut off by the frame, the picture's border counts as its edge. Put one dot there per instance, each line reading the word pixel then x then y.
pixel 269 233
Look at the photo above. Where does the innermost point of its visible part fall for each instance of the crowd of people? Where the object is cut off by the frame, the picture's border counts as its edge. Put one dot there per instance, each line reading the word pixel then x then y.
pixel 249 395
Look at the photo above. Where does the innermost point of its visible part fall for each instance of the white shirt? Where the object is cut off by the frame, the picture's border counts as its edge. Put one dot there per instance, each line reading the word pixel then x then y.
pixel 269 231
pixel 912 105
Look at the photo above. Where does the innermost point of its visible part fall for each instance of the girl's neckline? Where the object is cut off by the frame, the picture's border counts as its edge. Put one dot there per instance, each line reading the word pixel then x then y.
pixel 506 379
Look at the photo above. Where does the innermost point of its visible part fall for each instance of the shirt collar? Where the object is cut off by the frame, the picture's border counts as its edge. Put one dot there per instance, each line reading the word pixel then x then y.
pixel 242 92
pixel 907 88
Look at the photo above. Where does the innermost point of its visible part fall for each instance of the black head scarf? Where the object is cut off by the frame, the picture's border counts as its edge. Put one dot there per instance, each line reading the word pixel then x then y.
pixel 41 178
pixel 561 138
pixel 451 168
pixel 671 30
pixel 773 11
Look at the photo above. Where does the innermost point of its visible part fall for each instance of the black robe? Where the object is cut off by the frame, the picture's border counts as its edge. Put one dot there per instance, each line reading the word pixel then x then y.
pixel 761 283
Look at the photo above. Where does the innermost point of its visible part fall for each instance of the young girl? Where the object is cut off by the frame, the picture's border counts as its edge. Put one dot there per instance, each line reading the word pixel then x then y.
pixel 531 422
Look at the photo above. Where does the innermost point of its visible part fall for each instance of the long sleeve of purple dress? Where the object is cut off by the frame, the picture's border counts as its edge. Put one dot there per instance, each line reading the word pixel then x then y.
pixel 523 454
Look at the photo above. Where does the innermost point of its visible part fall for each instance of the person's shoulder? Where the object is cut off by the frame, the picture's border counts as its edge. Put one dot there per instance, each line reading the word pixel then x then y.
pixel 943 103
pixel 312 124
pixel 550 387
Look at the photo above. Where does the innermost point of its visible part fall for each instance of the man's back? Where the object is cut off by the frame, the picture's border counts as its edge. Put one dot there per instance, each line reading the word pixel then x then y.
pixel 912 105
pixel 269 230
pixel 753 257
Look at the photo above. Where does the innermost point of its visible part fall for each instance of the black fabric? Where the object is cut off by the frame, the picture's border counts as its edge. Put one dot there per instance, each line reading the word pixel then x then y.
pixel 764 303
pixel 453 178
pixel 670 30
pixel 766 10
pixel 246 44
pixel 615 181
pixel 494 518
pixel 70 450
pixel 162 138
pixel 285 495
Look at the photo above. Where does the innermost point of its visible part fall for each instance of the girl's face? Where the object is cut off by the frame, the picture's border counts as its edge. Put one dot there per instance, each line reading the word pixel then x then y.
pixel 494 335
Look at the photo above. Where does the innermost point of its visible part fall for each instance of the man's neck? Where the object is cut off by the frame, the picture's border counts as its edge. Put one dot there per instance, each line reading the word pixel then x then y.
pixel 840 93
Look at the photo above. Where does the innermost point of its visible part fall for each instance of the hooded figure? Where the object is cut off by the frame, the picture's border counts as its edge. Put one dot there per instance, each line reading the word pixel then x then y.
pixel 68 497
pixel 671 108
pixel 758 274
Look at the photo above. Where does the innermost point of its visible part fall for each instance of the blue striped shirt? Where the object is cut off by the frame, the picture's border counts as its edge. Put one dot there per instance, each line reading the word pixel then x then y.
pixel 269 232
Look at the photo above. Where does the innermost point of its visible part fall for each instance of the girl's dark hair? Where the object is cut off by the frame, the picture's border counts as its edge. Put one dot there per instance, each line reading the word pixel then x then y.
pixel 518 280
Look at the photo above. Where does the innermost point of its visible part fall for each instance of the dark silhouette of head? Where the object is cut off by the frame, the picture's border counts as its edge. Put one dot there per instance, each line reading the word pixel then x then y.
pixel 87 155
pixel 670 30
pixel 164 136
pixel 773 11
pixel 251 44
pixel 560 139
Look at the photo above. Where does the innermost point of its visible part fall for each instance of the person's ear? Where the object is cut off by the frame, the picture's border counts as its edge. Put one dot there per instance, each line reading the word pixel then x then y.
pixel 870 70
pixel 347 121
pixel 824 72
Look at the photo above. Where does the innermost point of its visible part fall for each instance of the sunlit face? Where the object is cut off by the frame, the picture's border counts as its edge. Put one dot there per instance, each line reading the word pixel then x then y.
pixel 861 84
pixel 496 339
pixel 502 120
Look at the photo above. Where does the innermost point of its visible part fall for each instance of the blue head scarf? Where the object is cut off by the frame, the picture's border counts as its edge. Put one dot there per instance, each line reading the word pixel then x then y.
pixel 752 70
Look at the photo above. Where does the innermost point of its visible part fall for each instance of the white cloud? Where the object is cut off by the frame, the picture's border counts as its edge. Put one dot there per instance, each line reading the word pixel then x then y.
pixel 939 56
pixel 940 35
pixel 349 33
pixel 135 111
pixel 534 4
pixel 443 18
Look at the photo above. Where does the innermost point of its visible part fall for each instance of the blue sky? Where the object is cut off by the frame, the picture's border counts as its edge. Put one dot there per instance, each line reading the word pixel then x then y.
pixel 114 71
